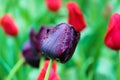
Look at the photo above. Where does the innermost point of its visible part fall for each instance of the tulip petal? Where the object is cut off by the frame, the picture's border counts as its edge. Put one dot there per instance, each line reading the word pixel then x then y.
pixel 30 57
pixel 75 16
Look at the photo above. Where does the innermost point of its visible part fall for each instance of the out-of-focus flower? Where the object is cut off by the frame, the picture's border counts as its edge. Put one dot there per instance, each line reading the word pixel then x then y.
pixel 58 42
pixel 107 11
pixel 9 25
pixel 75 16
pixel 53 5
pixel 112 37
pixel 53 73
pixel 30 57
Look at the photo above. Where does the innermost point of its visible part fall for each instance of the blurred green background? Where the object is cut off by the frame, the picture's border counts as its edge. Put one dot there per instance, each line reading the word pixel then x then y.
pixel 92 60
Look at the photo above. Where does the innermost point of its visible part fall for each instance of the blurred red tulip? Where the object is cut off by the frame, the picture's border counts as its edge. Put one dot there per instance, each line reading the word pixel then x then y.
pixel 53 75
pixel 53 5
pixel 75 16
pixel 9 25
pixel 112 37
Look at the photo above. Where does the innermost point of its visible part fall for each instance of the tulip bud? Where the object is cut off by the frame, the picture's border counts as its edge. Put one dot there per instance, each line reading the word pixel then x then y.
pixel 53 5
pixel 53 73
pixel 75 16
pixel 9 25
pixel 30 57
pixel 112 37
pixel 60 42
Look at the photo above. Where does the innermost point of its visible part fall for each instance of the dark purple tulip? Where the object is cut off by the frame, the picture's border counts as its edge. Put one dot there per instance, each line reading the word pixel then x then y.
pixel 30 57
pixel 61 42
pixel 58 43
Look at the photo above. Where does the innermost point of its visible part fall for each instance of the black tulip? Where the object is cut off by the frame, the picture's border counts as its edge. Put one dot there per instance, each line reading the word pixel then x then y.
pixel 60 43
pixel 57 43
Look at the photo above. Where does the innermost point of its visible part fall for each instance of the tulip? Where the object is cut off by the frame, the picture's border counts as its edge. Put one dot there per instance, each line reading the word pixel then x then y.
pixel 53 5
pixel 53 72
pixel 61 42
pixel 112 37
pixel 29 55
pixel 57 43
pixel 8 25
pixel 75 16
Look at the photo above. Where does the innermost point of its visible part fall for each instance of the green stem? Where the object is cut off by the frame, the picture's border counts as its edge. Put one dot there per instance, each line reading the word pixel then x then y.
pixel 41 63
pixel 15 68
pixel 118 66
pixel 48 70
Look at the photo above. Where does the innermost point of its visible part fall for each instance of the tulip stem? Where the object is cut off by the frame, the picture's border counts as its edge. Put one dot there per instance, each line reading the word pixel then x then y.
pixel 41 63
pixel 15 68
pixel 118 67
pixel 48 70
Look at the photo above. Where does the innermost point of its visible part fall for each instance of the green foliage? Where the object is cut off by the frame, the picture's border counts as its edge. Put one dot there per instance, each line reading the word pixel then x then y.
pixel 92 60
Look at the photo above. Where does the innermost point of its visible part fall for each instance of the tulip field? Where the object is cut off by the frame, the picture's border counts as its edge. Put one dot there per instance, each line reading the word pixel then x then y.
pixel 59 40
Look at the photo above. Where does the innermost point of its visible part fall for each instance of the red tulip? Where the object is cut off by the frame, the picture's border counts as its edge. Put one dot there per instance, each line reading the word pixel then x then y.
pixel 75 16
pixel 112 37
pixel 53 75
pixel 9 25
pixel 53 5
